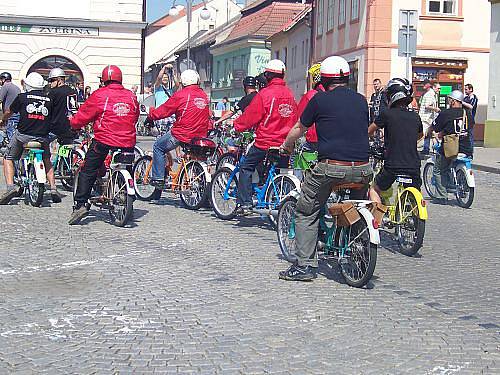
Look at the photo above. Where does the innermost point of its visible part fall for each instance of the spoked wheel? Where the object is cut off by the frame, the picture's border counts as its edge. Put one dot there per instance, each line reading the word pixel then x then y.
pixel 410 229
pixel 283 185
pixel 120 201
pixel 286 228
pixel 229 158
pixel 138 153
pixel 225 209
pixel 35 190
pixel 67 168
pixel 360 255
pixel 142 176
pixel 428 178
pixel 194 189
pixel 464 194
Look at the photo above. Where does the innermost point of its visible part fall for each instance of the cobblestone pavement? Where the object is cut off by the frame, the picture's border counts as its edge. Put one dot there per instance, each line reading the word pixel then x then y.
pixel 183 292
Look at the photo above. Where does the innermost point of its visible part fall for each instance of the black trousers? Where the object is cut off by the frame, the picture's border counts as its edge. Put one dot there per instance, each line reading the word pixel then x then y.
pixel 94 161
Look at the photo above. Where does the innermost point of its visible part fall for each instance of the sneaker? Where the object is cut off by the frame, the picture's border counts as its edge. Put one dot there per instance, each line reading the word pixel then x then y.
pixel 298 273
pixel 440 201
pixel 78 214
pixel 157 184
pixel 55 196
pixel 244 210
pixel 6 197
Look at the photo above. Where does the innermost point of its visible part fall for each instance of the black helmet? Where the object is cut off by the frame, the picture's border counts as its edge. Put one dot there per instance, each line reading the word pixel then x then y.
pixel 249 81
pixel 261 81
pixel 6 75
pixel 399 89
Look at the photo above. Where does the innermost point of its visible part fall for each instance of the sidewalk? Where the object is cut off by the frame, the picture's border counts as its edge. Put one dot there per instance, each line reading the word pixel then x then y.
pixel 487 159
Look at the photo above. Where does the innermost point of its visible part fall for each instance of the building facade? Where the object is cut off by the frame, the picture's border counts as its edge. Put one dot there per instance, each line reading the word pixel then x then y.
pixel 492 126
pixel 47 35
pixel 452 47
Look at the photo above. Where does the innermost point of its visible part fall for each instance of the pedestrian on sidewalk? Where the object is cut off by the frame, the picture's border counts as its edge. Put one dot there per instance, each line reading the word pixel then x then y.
pixel 8 92
pixel 470 102
pixel 428 111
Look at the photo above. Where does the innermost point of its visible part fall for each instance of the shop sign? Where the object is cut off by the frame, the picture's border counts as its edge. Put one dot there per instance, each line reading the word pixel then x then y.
pixel 51 30
pixel 440 63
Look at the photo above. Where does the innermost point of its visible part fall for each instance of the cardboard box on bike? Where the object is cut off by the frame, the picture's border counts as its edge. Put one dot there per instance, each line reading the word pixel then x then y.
pixel 378 211
pixel 345 213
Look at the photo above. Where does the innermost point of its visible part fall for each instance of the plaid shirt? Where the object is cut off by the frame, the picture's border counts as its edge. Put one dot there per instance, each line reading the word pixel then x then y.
pixel 428 99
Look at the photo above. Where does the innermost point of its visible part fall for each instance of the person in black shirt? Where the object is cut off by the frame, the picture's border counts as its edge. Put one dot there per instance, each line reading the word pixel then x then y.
pixel 378 100
pixel 341 118
pixel 454 120
pixel 35 110
pixel 402 130
pixel 250 87
pixel 64 101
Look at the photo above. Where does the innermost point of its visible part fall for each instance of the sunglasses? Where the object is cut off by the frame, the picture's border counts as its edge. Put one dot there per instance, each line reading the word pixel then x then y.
pixel 52 80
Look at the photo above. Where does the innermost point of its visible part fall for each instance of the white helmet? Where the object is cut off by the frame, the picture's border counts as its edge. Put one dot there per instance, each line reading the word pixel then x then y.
pixel 190 77
pixel 276 66
pixel 56 72
pixel 335 68
pixel 34 81
pixel 457 95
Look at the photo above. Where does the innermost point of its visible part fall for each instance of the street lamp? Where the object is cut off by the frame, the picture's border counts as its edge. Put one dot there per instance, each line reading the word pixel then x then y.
pixel 204 15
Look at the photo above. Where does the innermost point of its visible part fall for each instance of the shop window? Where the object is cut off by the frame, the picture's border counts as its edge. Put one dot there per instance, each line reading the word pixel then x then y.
pixel 442 7
pixel 353 79
pixel 319 18
pixel 43 66
pixel 341 12
pixel 354 10
pixel 330 15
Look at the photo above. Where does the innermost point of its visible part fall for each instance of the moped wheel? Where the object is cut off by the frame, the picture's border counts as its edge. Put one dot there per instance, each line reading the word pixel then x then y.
pixel 284 184
pixel 67 168
pixel 225 209
pixel 428 178
pixel 286 228
pixel 142 176
pixel 122 204
pixel 411 229
pixel 138 153
pixel 35 190
pixel 193 182
pixel 360 255
pixel 464 194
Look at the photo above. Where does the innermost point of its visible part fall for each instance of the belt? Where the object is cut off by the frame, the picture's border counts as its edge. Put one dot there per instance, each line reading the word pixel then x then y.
pixel 344 163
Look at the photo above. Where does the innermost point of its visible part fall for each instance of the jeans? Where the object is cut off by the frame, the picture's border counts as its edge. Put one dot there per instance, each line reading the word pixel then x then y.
pixel 316 189
pixel 11 125
pixel 427 137
pixel 164 144
pixel 441 175
pixel 94 159
pixel 252 159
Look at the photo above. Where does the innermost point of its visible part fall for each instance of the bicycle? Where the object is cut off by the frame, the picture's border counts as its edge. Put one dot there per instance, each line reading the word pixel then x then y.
pixel 190 179
pixel 463 183
pixel 114 191
pixel 267 197
pixel 346 233
pixel 65 163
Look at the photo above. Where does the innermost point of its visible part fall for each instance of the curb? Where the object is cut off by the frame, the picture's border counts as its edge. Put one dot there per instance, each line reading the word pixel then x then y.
pixel 485 168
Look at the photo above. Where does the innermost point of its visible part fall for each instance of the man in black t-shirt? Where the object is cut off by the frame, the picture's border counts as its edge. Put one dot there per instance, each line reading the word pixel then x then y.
pixel 64 101
pixel 378 100
pixel 454 120
pixel 402 130
pixel 341 118
pixel 35 110
pixel 250 87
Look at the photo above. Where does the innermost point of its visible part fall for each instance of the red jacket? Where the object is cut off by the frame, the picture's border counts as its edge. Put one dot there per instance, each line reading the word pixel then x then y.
pixel 273 112
pixel 114 111
pixel 311 135
pixel 192 113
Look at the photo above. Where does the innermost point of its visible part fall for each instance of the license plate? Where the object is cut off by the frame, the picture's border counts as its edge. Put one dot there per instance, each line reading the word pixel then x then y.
pixel 64 151
pixel 404 180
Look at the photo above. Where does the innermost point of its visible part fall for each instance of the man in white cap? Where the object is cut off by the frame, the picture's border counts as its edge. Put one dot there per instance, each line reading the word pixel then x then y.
pixel 34 108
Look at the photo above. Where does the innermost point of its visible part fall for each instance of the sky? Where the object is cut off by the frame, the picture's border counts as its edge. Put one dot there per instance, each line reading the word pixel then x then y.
pixel 158 8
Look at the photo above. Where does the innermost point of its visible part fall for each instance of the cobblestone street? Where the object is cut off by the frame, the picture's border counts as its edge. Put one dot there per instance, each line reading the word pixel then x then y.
pixel 183 292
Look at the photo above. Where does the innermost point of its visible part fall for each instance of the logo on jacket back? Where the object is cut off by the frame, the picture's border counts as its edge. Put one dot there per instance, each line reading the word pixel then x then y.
pixel 285 110
pixel 200 103
pixel 121 109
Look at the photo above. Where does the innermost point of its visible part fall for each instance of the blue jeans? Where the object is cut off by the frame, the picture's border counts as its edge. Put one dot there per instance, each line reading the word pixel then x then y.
pixel 11 125
pixel 164 144
pixel 252 159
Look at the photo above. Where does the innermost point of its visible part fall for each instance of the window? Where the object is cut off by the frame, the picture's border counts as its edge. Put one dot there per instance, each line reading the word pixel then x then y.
pixel 330 12
pixel 43 66
pixel 284 55
pixel 307 51
pixel 446 7
pixel 353 79
pixel 354 10
pixel 319 18
pixel 303 60
pixel 341 12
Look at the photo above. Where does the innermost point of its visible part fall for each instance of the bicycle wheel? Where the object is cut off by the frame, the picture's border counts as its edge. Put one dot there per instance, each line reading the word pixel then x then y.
pixel 464 194
pixel 193 183
pixel 360 255
pixel 122 204
pixel 284 184
pixel 428 178
pixel 285 228
pixel 35 190
pixel 225 209
pixel 410 229
pixel 142 176
pixel 67 168
pixel 228 157
pixel 138 153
